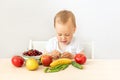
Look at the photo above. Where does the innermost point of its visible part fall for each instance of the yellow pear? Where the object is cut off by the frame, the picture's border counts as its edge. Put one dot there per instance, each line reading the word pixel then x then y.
pixel 32 64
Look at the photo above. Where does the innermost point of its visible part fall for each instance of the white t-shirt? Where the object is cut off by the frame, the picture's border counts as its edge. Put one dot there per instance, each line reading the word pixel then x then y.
pixel 74 46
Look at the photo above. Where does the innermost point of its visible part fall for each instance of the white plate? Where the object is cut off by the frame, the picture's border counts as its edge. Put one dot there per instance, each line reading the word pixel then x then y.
pixel 36 57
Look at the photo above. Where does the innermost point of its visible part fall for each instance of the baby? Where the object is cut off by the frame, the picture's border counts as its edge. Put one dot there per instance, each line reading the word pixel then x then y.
pixel 64 44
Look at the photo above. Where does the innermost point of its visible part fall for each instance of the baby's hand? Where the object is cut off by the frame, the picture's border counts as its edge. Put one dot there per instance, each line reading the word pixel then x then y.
pixel 55 54
pixel 67 55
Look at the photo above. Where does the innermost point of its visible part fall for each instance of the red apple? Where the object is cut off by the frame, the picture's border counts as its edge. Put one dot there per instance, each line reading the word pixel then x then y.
pixel 80 58
pixel 46 60
pixel 17 61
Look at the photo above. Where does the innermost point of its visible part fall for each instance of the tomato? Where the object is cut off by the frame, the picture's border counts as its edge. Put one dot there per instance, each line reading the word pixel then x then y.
pixel 80 58
pixel 17 61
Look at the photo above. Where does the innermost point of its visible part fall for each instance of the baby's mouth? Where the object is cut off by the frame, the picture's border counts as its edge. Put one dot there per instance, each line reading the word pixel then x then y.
pixel 64 42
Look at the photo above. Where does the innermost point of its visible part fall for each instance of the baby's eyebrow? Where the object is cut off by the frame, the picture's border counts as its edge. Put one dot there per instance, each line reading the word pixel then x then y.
pixel 59 33
pixel 64 33
pixel 67 33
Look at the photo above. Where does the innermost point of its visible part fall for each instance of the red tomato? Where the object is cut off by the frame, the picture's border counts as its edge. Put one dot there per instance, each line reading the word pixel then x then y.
pixel 80 58
pixel 17 61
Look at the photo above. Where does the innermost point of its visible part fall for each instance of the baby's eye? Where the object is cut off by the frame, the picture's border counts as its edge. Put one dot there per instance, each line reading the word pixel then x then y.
pixel 67 34
pixel 59 34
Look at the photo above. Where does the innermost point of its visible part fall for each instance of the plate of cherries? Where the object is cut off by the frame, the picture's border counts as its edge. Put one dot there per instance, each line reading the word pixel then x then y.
pixel 33 53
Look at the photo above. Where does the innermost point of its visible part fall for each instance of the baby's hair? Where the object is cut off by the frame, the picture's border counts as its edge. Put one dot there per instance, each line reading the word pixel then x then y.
pixel 63 16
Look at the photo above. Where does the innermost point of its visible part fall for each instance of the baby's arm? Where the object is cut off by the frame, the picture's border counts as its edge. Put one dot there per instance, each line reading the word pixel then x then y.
pixel 67 55
pixel 55 54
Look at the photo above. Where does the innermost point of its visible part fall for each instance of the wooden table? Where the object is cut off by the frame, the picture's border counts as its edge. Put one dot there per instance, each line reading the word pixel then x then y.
pixel 94 69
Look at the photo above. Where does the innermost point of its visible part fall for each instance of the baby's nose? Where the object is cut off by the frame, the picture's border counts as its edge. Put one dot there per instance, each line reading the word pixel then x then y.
pixel 63 37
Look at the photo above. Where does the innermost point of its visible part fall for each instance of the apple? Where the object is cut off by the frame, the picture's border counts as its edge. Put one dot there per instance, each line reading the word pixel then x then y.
pixel 46 60
pixel 80 58
pixel 17 61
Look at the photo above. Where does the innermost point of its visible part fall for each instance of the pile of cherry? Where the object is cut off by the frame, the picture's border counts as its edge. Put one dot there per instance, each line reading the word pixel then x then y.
pixel 32 52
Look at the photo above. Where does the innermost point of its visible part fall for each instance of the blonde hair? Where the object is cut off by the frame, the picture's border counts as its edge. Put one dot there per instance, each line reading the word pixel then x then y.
pixel 64 16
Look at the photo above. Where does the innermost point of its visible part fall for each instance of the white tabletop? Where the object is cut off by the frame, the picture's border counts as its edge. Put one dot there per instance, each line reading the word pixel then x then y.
pixel 93 70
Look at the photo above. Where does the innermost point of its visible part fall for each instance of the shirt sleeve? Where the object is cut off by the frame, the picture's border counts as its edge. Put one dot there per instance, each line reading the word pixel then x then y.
pixel 79 49
pixel 51 45
pixel 75 46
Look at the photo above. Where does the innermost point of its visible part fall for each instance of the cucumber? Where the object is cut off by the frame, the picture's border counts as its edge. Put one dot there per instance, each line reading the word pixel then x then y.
pixel 75 64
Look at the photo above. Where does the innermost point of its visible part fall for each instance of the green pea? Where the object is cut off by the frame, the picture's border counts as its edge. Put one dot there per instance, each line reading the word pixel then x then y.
pixel 46 69
pixel 79 66
pixel 56 68
pixel 64 66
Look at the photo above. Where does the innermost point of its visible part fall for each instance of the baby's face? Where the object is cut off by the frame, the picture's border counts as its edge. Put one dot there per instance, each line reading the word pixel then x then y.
pixel 65 32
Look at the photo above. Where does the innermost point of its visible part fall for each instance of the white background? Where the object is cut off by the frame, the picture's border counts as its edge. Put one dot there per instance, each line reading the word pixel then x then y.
pixel 22 20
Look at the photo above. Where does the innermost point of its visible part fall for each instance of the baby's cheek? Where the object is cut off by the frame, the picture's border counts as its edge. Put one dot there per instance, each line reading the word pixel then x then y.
pixel 59 39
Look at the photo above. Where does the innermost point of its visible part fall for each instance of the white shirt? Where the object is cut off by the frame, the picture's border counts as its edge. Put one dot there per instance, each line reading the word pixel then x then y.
pixel 73 47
